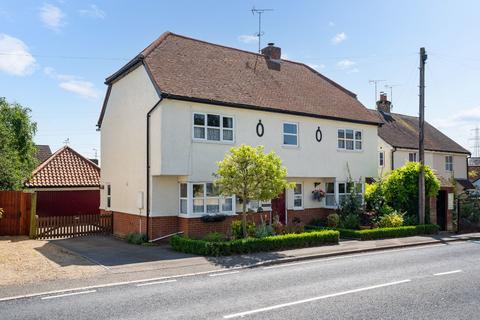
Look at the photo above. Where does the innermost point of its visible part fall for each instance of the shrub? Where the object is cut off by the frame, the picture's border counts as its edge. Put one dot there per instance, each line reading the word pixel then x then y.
pixel 409 220
pixel 263 230
pixel 384 233
pixel 374 199
pixel 391 220
pixel 333 220
pixel 319 222
pixel 214 237
pixel 136 238
pixel 237 231
pixel 350 221
pixel 249 245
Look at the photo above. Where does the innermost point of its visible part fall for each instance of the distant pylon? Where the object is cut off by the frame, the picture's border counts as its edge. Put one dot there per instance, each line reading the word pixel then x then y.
pixel 476 142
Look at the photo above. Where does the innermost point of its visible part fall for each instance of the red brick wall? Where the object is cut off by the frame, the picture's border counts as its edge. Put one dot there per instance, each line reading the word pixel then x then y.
pixel 308 215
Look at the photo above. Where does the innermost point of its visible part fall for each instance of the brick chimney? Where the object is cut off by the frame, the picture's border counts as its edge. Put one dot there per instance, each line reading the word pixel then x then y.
pixel 272 52
pixel 383 104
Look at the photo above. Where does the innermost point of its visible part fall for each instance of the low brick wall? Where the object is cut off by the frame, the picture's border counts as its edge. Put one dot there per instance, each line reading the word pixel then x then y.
pixel 124 223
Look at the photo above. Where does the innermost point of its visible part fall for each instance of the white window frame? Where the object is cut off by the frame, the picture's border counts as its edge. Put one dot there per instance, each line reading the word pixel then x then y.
pixel 297 196
pixel 330 194
pixel 290 134
pixel 449 164
pixel 354 140
pixel 206 127
pixel 182 198
pixel 255 204
pixel 412 155
pixel 190 198
pixel 108 187
pixel 381 159
pixel 338 194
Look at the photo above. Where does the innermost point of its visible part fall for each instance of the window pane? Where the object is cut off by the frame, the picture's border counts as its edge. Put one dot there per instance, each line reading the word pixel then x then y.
pixel 183 190
pixel 109 202
pixel 199 119
pixel 109 190
pixel 341 188
pixel 330 200
pixel 358 135
pixel 289 128
pixel 213 120
pixel 213 205
pixel 183 206
pixel 198 190
pixel 358 145
pixel 349 187
pixel 297 202
pixel 290 140
pixel 341 144
pixel 298 188
pixel 198 206
pixel 349 145
pixel 212 191
pixel 267 205
pixel 341 133
pixel 349 134
pixel 227 205
pixel 228 135
pixel 254 204
pixel 341 199
pixel 227 122
pixel 330 186
pixel 358 187
pixel 213 134
pixel 199 132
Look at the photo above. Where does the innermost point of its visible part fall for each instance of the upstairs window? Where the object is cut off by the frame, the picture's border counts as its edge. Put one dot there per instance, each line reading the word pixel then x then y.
pixel 381 159
pixel 290 134
pixel 212 127
pixel 349 139
pixel 448 163
pixel 412 157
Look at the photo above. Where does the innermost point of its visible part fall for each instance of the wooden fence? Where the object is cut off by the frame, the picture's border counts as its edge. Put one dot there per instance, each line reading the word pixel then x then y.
pixel 72 226
pixel 16 207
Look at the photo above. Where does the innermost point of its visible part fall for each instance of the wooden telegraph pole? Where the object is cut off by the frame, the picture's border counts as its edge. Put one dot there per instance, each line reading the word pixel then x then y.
pixel 421 150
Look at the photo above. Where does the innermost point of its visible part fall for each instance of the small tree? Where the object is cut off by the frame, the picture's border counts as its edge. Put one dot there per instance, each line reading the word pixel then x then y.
pixel 17 149
pixel 400 187
pixel 251 174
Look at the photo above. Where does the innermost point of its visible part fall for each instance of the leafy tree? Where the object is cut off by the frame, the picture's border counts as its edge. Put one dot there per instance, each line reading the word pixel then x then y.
pixel 17 149
pixel 251 174
pixel 400 187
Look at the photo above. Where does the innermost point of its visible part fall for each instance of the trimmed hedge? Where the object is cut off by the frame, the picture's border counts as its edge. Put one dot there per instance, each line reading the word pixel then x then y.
pixel 249 245
pixel 383 233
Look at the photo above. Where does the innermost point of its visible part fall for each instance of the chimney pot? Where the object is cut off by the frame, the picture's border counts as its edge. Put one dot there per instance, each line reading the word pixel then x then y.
pixel 272 52
pixel 383 104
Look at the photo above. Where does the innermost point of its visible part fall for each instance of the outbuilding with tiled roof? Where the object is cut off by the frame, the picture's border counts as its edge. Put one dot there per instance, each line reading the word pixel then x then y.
pixel 66 183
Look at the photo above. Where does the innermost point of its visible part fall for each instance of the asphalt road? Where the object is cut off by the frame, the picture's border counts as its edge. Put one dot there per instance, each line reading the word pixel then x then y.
pixel 434 282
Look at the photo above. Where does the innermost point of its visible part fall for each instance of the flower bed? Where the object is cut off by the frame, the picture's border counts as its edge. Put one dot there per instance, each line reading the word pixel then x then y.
pixel 382 233
pixel 249 245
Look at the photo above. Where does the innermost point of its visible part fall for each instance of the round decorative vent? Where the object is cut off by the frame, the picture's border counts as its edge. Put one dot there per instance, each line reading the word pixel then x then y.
pixel 260 128
pixel 318 135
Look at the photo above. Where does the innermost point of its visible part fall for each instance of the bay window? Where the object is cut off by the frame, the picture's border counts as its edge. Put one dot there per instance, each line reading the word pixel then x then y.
pixel 330 194
pixel 203 198
pixel 298 196
pixel 345 188
pixel 212 127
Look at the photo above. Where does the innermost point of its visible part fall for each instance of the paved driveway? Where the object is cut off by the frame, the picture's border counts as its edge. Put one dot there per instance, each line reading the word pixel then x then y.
pixel 114 253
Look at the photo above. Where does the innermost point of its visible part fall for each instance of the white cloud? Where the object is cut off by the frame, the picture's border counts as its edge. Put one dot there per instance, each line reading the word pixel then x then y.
pixel 346 64
pixel 52 16
pixel 339 38
pixel 14 56
pixel 245 38
pixel 92 12
pixel 73 84
pixel 331 24
pixel 316 66
pixel 459 119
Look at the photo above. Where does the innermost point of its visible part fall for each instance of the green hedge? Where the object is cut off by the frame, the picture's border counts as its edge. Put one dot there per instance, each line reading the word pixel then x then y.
pixel 383 233
pixel 248 245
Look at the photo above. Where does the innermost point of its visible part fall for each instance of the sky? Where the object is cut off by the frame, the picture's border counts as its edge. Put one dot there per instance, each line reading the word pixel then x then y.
pixel 55 55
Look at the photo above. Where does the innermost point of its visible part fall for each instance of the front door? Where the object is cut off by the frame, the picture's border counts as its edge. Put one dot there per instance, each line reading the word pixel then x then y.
pixel 442 210
pixel 278 207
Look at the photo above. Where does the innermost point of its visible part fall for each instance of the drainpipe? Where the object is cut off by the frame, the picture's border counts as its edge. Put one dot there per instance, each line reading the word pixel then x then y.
pixel 393 161
pixel 149 113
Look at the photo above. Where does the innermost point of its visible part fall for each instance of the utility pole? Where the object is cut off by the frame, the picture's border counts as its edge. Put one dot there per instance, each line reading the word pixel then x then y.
pixel 375 82
pixel 260 32
pixel 421 150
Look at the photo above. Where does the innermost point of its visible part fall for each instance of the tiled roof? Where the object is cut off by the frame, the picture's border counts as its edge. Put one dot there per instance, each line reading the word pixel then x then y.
pixel 43 152
pixel 189 69
pixel 65 168
pixel 402 131
pixel 465 183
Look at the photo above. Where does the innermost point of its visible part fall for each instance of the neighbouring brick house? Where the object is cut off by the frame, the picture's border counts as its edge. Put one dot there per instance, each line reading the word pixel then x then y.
pixel 66 183
pixel 174 110
pixel 398 144
pixel 43 152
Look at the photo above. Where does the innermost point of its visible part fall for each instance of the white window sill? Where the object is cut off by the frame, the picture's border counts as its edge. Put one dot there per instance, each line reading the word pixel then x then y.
pixel 199 215
pixel 213 141
pixel 345 150
pixel 298 208
pixel 290 146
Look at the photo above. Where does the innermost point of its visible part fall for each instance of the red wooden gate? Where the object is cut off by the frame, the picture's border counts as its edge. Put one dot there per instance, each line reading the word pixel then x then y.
pixel 16 213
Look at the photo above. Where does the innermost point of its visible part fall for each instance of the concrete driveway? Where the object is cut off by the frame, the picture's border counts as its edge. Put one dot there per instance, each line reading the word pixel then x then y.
pixel 115 254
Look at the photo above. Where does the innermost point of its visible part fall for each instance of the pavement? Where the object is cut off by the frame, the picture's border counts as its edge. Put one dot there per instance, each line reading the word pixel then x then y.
pixel 436 281
pixel 123 262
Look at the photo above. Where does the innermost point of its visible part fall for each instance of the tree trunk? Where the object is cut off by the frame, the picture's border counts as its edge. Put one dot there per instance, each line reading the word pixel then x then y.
pixel 244 218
